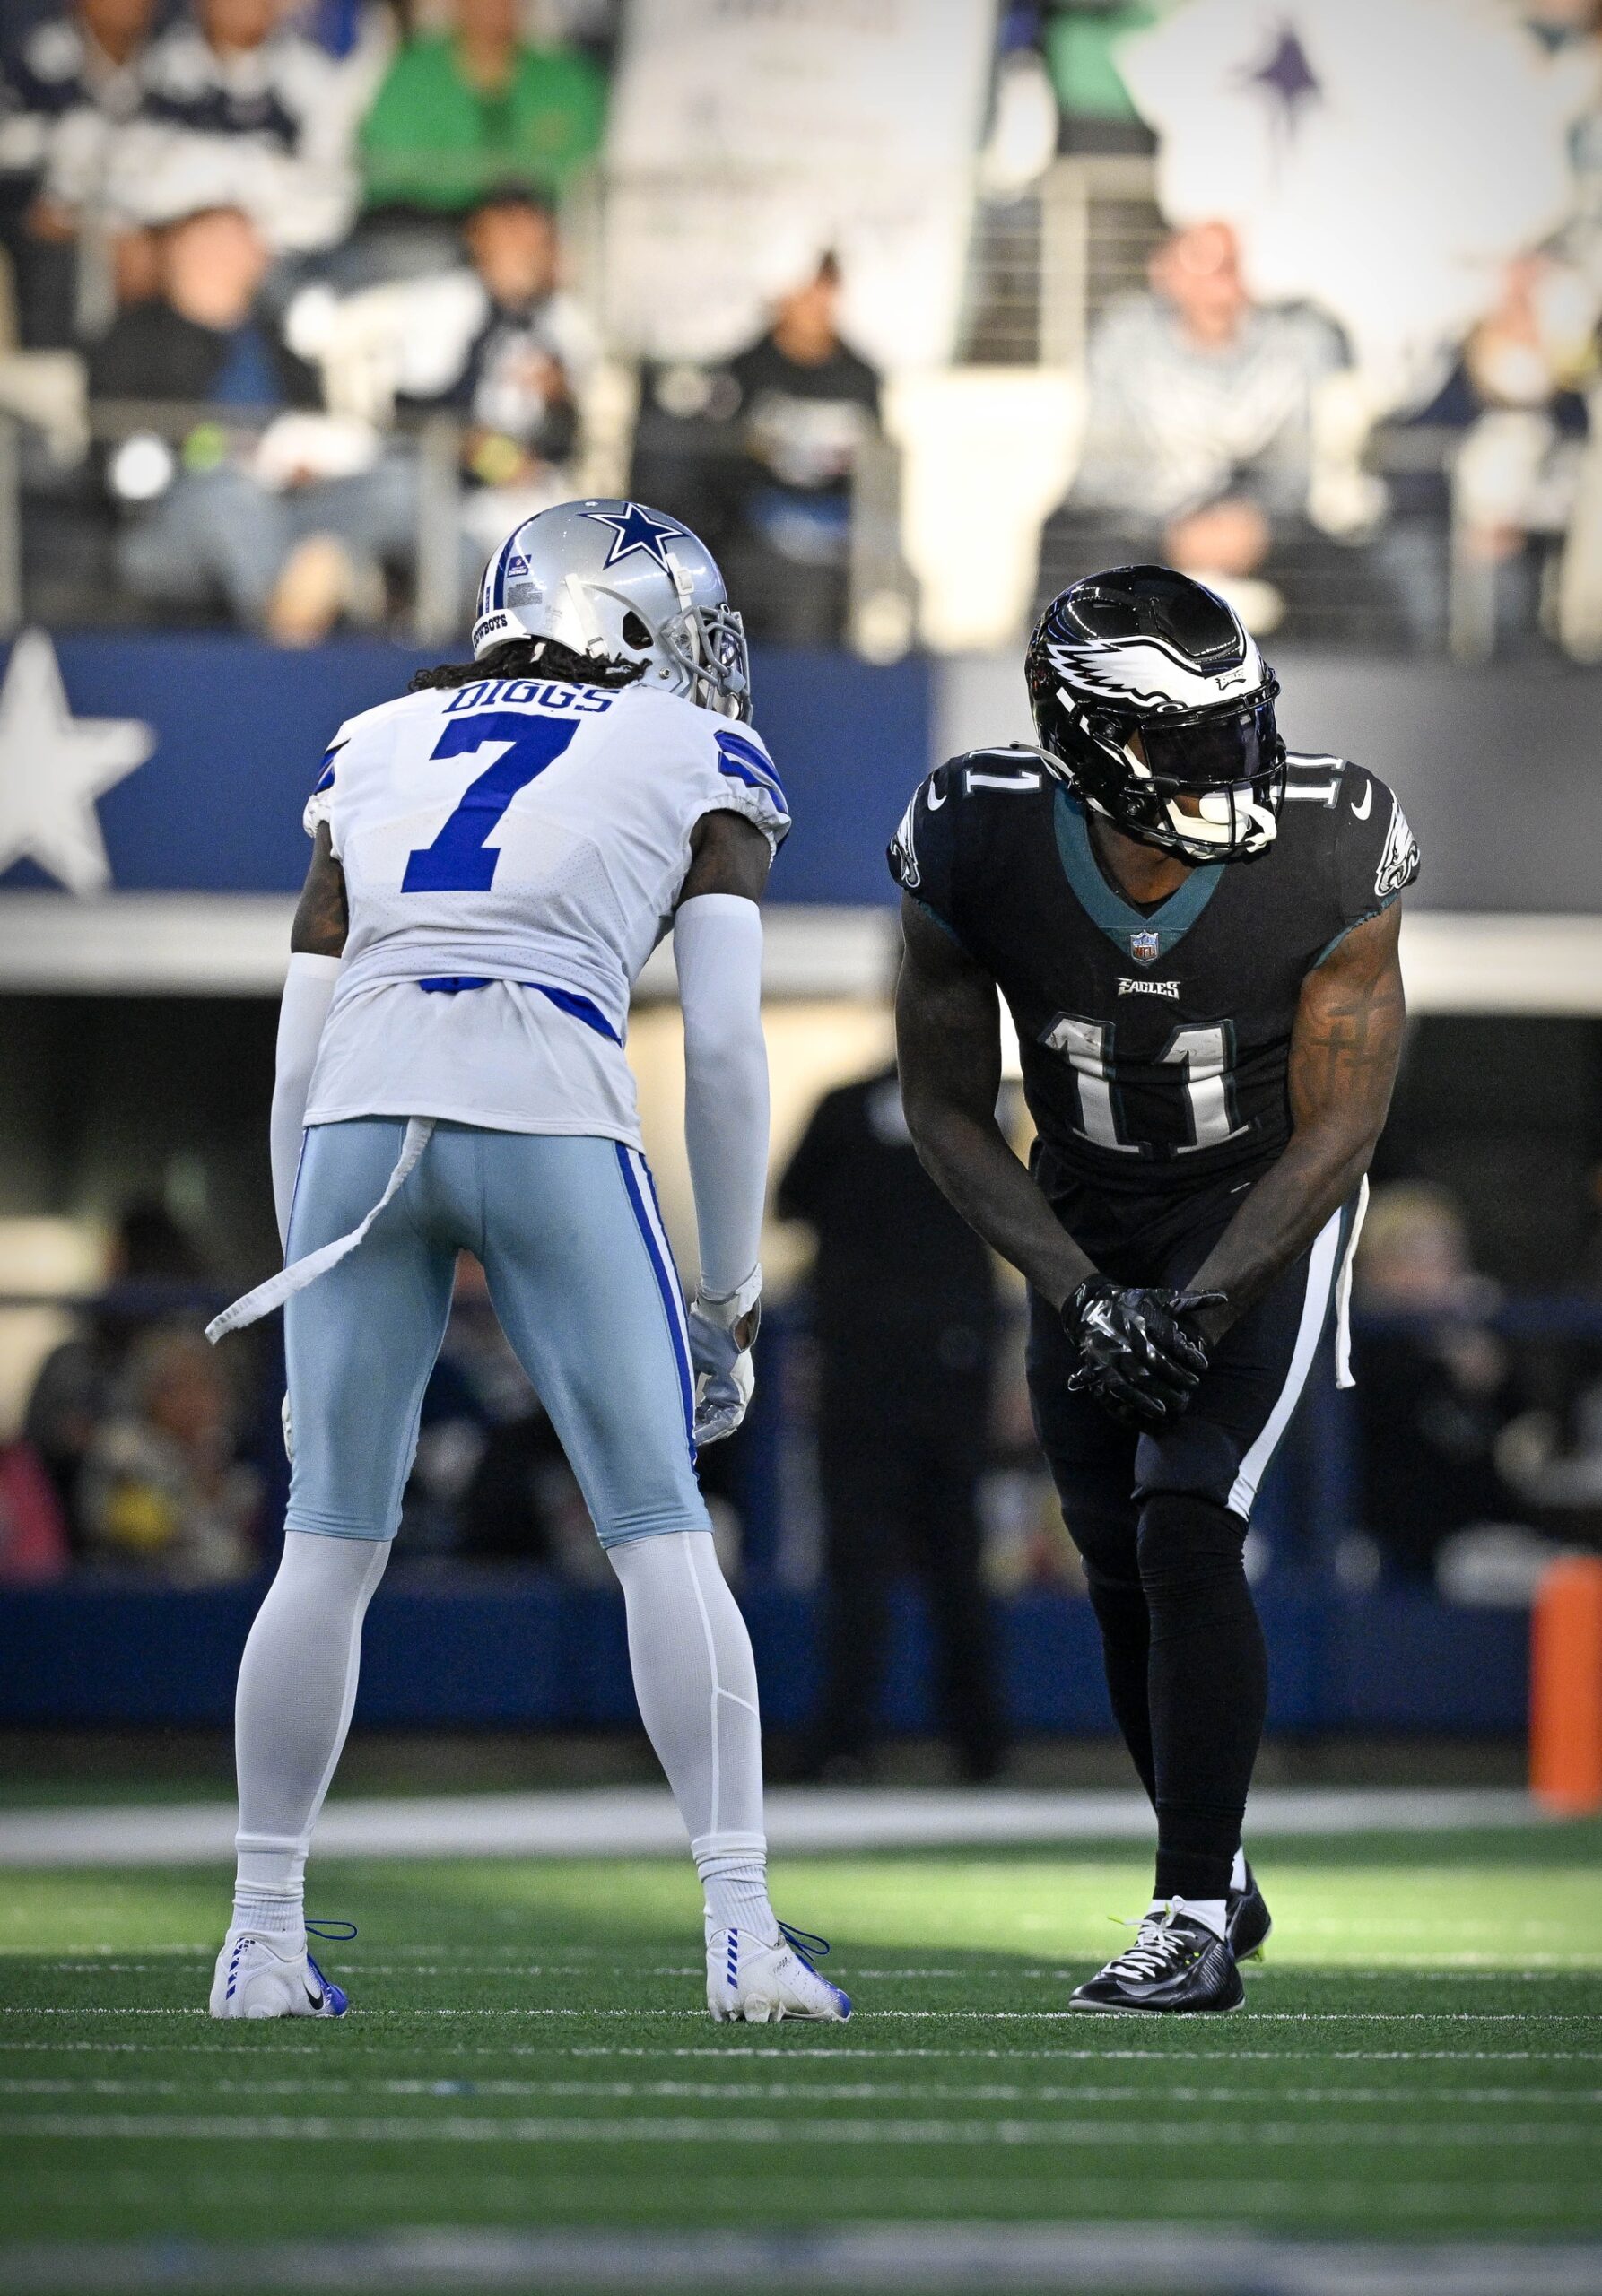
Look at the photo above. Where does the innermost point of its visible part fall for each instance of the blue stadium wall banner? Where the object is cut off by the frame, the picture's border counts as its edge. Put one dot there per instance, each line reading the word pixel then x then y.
pixel 152 787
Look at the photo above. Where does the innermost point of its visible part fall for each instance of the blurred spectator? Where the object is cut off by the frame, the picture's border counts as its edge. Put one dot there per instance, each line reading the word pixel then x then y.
pixel 1435 1384
pixel 73 83
pixel 290 529
pixel 346 28
pixel 1513 421
pixel 1081 46
pixel 905 1321
pixel 162 1492
pixel 33 1537
pixel 237 111
pixel 511 352
pixel 461 112
pixel 152 1257
pixel 1571 30
pixel 807 403
pixel 1198 437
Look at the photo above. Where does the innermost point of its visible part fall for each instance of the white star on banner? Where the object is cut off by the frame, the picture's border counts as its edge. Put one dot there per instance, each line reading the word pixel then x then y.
pixel 53 766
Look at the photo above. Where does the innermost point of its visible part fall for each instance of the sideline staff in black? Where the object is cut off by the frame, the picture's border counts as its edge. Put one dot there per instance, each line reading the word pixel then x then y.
pixel 904 1312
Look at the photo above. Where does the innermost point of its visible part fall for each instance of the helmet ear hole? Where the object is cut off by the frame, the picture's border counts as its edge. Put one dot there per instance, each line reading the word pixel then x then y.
pixel 635 631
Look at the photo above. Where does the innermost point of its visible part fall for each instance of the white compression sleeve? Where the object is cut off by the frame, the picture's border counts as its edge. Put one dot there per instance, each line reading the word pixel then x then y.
pixel 718 948
pixel 307 991
pixel 695 1680
pixel 296 1687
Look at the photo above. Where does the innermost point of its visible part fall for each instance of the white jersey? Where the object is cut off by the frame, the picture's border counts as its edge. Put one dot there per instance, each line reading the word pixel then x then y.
pixel 513 850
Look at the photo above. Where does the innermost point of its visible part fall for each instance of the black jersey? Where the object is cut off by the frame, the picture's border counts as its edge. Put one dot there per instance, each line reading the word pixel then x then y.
pixel 1155 1046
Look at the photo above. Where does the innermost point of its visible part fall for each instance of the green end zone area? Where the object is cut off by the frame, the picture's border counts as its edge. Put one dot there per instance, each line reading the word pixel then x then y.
pixel 1421 2056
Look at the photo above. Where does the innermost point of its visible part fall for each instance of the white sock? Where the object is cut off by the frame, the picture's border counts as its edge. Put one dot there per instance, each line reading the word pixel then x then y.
pixel 695 1680
pixel 1238 1871
pixel 1206 1909
pixel 296 1687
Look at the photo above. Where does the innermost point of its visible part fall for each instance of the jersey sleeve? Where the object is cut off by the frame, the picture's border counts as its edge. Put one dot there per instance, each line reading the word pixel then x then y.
pixel 1376 852
pixel 922 854
pixel 742 779
pixel 320 806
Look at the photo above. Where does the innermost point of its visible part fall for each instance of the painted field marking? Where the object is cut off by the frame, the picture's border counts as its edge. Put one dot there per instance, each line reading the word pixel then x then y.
pixel 739 2051
pixel 1535 1968
pixel 806 2092
pixel 1079 2017
pixel 79 2128
pixel 1140 2259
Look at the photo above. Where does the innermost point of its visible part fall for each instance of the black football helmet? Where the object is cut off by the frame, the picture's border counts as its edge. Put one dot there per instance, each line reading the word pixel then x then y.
pixel 1142 650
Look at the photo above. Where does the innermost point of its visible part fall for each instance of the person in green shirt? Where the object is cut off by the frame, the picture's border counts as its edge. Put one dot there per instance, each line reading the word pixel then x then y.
pixel 462 112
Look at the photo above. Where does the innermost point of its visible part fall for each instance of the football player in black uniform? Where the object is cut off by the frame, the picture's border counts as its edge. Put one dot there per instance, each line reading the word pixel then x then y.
pixel 1196 936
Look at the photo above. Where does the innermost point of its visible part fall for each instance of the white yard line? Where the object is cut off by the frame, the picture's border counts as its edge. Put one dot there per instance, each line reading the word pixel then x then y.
pixel 1072 1968
pixel 1146 2260
pixel 461 2128
pixel 808 2092
pixel 616 1821
pixel 739 2050
pixel 1084 2018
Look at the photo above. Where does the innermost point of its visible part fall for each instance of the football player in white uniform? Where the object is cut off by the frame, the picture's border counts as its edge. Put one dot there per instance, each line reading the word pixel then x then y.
pixel 496 854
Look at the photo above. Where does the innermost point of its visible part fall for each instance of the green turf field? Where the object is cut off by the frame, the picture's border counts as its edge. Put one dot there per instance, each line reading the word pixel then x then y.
pixel 1421 2053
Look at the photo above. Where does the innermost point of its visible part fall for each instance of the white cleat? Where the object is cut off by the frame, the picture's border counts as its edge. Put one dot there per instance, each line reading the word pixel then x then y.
pixel 762 1984
pixel 256 1977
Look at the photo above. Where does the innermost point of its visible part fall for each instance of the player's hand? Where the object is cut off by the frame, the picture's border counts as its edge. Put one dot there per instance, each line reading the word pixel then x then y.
pixel 722 1334
pixel 1136 1356
pixel 286 1422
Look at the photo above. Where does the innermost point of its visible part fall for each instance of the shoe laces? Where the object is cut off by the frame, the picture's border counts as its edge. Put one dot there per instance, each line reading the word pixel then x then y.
pixel 337 1933
pixel 806 1948
pixel 1159 1948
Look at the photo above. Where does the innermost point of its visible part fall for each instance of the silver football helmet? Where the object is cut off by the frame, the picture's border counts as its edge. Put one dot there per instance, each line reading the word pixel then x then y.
pixel 620 583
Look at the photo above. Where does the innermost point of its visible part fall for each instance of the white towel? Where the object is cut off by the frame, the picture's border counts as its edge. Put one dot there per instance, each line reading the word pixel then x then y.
pixel 300 1273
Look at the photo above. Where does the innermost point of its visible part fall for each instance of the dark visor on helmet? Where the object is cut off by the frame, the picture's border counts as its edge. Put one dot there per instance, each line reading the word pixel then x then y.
pixel 1214 752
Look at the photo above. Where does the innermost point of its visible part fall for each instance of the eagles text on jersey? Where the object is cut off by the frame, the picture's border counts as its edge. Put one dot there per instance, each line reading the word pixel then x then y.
pixel 1155 1043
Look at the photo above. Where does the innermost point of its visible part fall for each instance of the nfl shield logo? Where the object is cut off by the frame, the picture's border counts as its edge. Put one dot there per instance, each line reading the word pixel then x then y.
pixel 1143 948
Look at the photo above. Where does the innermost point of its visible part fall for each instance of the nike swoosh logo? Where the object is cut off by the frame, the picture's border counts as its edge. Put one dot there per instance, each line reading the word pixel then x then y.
pixel 935 803
pixel 1361 813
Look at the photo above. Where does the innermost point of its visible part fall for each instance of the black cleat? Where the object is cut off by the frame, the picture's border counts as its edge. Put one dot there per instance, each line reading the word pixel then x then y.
pixel 1176 1965
pixel 1250 1923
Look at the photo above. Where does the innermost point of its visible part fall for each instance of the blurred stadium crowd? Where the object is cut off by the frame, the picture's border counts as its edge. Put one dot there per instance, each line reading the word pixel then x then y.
pixel 303 303
pixel 298 289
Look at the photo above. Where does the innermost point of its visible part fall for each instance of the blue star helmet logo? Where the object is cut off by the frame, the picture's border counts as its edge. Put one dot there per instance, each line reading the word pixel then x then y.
pixel 633 527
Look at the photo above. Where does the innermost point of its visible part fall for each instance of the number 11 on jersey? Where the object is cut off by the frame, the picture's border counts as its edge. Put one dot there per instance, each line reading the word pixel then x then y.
pixel 1201 1052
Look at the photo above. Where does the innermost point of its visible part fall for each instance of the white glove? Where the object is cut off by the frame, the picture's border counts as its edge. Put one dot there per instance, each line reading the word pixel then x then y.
pixel 725 1374
pixel 289 1431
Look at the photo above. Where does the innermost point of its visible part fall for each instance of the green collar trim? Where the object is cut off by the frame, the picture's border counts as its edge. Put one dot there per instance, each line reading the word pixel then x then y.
pixel 1119 918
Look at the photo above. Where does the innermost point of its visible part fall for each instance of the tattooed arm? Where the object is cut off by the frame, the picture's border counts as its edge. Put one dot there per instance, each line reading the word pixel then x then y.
pixel 323 918
pixel 948 1043
pixel 1345 1047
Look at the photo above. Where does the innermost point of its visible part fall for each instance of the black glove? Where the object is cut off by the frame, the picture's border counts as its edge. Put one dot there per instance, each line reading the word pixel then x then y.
pixel 1136 1356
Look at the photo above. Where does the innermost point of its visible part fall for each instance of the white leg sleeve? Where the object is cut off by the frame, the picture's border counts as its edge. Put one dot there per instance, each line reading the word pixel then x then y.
pixel 695 1680
pixel 296 1687
pixel 717 949
pixel 307 991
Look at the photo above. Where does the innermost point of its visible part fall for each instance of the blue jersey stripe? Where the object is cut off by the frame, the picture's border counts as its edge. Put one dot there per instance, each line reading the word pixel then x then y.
pixel 666 1285
pixel 566 1000
pixel 742 760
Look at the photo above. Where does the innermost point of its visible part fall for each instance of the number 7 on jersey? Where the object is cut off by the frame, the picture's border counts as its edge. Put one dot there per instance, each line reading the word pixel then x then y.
pixel 461 859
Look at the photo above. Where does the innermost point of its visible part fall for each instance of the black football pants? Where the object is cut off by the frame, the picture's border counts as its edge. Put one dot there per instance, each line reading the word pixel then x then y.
pixel 1161 1522
pixel 899 1460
